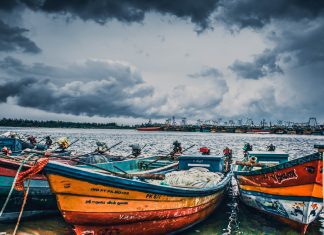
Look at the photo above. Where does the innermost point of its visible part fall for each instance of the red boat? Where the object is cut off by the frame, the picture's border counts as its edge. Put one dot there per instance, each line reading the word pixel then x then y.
pixel 152 128
pixel 290 191
pixel 258 131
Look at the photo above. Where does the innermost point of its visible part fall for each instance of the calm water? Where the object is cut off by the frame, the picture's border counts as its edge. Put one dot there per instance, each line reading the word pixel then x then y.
pixel 230 218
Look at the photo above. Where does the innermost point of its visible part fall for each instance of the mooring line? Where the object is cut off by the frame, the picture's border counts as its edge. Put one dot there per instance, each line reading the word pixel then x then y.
pixel 22 207
pixel 13 184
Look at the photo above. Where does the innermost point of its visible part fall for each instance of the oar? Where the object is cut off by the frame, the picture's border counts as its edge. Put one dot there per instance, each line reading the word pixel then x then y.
pixel 82 155
pixel 120 169
pixel 127 176
pixel 159 158
pixel 114 146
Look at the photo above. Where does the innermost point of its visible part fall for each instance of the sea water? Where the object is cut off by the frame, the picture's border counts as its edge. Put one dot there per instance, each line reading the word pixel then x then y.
pixel 231 217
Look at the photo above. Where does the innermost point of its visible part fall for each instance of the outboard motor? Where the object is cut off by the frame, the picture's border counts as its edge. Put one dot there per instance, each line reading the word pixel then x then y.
pixel 136 150
pixel 101 147
pixel 177 147
pixel 48 141
pixel 271 148
pixel 32 140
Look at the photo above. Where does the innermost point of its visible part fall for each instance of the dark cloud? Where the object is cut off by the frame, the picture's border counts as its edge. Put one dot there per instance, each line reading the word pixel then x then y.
pixel 262 65
pixel 90 70
pixel 101 11
pixel 8 5
pixel 13 39
pixel 110 96
pixel 303 42
pixel 256 14
pixel 207 72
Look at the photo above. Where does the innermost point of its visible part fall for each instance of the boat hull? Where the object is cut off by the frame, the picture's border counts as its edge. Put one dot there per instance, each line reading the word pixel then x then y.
pixel 40 200
pixel 291 192
pixel 154 226
pixel 114 205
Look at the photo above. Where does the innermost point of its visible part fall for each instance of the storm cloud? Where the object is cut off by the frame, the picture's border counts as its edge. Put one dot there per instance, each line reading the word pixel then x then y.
pixel 13 39
pixel 257 14
pixel 101 11
pixel 263 65
pixel 280 77
pixel 110 96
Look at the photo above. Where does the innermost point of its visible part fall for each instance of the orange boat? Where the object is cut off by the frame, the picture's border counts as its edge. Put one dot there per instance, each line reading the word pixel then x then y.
pixel 96 203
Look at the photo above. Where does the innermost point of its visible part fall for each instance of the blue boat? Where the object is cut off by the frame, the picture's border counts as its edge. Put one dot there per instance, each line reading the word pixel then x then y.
pixel 14 144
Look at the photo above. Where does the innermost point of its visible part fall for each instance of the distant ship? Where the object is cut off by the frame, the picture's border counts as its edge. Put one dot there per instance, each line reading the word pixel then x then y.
pixel 150 128
pixel 258 131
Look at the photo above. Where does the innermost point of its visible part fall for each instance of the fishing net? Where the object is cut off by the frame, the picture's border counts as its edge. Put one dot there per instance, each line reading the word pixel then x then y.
pixel 196 177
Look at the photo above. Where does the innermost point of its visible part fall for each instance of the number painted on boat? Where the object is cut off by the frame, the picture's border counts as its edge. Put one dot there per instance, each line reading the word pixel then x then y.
pixel 153 196
pixel 102 202
pixel 109 191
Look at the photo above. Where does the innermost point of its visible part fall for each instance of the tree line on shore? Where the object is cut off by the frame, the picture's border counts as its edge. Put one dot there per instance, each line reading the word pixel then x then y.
pixel 8 122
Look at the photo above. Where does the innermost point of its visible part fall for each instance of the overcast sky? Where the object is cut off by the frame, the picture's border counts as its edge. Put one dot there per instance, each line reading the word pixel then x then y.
pixel 132 60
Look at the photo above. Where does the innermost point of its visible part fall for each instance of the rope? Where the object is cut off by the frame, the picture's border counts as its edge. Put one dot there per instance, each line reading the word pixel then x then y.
pixel 32 171
pixel 22 207
pixel 14 182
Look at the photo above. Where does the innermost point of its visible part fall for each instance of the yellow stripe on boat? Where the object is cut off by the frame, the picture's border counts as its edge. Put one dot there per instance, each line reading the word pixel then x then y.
pixel 307 190
pixel 95 204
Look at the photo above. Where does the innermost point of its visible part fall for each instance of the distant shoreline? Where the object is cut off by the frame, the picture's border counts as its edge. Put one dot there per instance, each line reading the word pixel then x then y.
pixel 278 130
pixel 5 122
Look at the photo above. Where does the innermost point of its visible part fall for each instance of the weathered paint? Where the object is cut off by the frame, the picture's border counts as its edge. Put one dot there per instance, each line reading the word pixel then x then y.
pixel 300 211
pixel 291 192
pixel 306 173
pixel 156 227
pixel 107 218
pixel 102 204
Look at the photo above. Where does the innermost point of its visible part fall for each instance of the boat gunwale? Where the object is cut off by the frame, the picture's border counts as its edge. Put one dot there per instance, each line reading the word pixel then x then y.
pixel 91 176
pixel 281 166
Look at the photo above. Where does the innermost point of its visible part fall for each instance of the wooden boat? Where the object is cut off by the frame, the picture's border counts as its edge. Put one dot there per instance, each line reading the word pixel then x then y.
pixel 290 191
pixel 41 201
pixel 97 203
pixel 151 128
pixel 14 144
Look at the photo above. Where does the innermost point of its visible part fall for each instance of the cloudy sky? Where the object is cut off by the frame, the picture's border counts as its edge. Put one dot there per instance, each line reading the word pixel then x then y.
pixel 127 61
